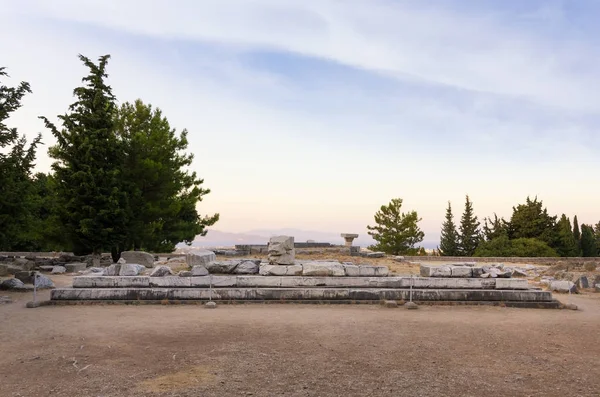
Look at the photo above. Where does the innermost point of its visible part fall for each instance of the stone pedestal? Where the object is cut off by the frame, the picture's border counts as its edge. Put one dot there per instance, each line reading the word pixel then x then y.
pixel 349 237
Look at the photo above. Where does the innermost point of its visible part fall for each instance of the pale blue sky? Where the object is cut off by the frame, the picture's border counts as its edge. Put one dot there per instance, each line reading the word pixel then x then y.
pixel 311 114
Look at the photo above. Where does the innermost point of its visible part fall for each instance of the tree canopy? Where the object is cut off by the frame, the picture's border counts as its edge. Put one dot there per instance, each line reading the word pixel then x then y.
pixel 449 235
pixel 396 232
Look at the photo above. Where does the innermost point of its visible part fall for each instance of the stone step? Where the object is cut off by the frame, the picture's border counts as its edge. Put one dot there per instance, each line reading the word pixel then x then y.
pixel 295 281
pixel 252 294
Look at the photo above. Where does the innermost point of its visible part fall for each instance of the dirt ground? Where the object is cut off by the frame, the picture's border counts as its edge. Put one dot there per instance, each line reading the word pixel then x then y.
pixel 298 350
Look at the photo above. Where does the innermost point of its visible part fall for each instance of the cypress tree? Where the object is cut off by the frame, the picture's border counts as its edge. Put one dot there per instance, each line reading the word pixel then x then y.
pixel 577 235
pixel 88 167
pixel 396 232
pixel 567 245
pixel 588 243
pixel 469 234
pixel 449 236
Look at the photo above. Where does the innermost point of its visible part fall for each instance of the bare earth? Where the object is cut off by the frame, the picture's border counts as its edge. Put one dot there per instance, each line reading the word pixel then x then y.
pixel 298 350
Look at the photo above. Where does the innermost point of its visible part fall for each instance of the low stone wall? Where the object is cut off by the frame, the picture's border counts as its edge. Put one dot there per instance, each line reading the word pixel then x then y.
pixel 462 259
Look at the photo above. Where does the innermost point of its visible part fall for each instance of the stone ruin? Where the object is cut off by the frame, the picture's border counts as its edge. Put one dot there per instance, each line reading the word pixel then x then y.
pixel 279 276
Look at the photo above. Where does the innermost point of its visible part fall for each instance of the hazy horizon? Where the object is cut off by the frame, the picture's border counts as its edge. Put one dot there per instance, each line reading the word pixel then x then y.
pixel 312 114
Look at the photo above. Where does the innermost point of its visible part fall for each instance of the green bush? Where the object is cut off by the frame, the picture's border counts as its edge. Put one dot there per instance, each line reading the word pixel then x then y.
pixel 521 247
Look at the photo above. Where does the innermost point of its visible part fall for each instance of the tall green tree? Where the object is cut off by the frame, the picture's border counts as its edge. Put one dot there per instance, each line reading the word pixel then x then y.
pixel 588 242
pixel 577 234
pixel 531 220
pixel 494 228
pixel 449 236
pixel 162 194
pixel 88 166
pixel 396 232
pixel 597 236
pixel 469 234
pixel 16 164
pixel 566 245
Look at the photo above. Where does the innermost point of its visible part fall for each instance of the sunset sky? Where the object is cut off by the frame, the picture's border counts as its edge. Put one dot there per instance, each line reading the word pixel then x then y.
pixel 310 114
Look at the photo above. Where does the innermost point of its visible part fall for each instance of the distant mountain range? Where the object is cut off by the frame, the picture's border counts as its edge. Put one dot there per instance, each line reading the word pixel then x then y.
pixel 217 238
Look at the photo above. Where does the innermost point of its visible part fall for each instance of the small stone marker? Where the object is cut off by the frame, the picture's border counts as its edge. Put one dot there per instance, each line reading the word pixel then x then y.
pixel 210 305
pixel 411 305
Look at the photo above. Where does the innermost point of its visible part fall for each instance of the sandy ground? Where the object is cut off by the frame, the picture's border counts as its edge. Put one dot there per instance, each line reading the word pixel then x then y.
pixel 298 350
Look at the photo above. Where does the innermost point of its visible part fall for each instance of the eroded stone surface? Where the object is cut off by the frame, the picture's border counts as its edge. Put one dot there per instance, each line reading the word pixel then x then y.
pixel 131 269
pixel 161 271
pixel 281 250
pixel 435 271
pixel 203 258
pixel 199 270
pixel 266 269
pixel 512 283
pixel 322 269
pixel 563 286
pixel 461 271
pixel 75 267
pixel 138 257
pixel 222 267
pixel 247 267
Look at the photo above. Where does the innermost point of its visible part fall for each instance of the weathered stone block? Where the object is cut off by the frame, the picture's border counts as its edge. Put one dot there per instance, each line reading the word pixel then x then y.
pixel 563 286
pixel 266 269
pixel 202 257
pixel 170 282
pixel 281 250
pixel 113 270
pixel 323 269
pixel 511 283
pixel 351 270
pixel 375 254
pixel 477 271
pixel 43 282
pixel 131 269
pixel 435 271
pixel 222 267
pixel 75 267
pixel 199 270
pixel 597 288
pixel 110 282
pixel 372 271
pixel 25 277
pixel 138 257
pixel 582 282
pixel 247 267
pixel 3 270
pixel 461 271
pixel 161 271
pixel 14 284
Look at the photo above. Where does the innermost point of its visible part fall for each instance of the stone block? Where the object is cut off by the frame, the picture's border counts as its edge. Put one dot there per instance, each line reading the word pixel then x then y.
pixel 161 271
pixel 435 271
pixel 58 270
pixel 477 271
pixel 323 269
pixel 94 281
pixel 266 269
pixel 23 264
pixel 351 270
pixel 281 250
pixel 75 267
pixel 222 267
pixel 3 270
pixel 372 271
pixel 461 271
pixel 131 269
pixel 597 287
pixel 215 281
pixel 511 283
pixel 25 277
pixel 138 257
pixel 582 282
pixel 247 267
pixel 375 254
pixel 199 270
pixel 170 282
pixel 202 257
pixel 14 284
pixel 113 270
pixel 43 282
pixel 563 286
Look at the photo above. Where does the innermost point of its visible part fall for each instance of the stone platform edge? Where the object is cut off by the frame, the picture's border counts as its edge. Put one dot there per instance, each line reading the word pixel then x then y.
pixel 296 281
pixel 205 294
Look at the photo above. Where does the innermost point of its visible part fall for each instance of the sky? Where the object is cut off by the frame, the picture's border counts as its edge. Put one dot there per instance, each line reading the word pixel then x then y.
pixel 311 114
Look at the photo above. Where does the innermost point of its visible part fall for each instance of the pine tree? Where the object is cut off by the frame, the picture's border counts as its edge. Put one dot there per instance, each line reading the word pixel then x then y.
pixel 396 233
pixel 577 235
pixel 567 245
pixel 588 242
pixel 469 234
pixel 16 163
pixel 531 220
pixel 88 167
pixel 162 194
pixel 495 228
pixel 597 236
pixel 449 236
